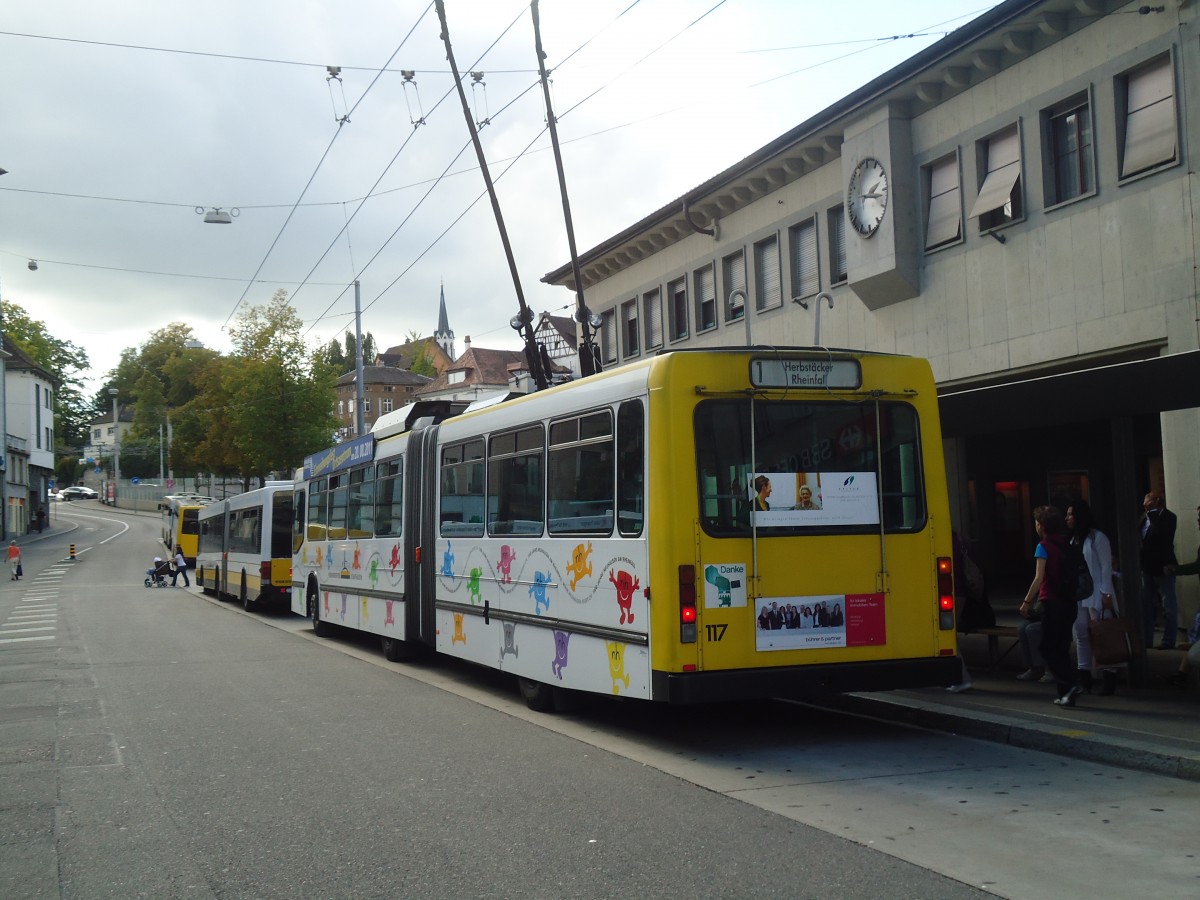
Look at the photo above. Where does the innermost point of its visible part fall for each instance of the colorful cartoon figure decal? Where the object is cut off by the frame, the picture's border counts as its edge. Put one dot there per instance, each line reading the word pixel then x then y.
pixel 357 564
pixel 714 577
pixel 448 562
pixel 364 609
pixel 473 585
pixel 560 653
pixel 507 555
pixel 616 665
pixel 345 600
pixel 304 555
pixel 538 592
pixel 389 616
pixel 625 584
pixel 326 593
pixel 510 646
pixel 581 563
pixel 459 634
pixel 373 571
pixel 329 555
pixel 394 562
pixel 320 558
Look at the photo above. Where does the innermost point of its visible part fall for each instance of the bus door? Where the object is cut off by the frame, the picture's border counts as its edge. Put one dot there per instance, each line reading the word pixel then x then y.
pixel 420 530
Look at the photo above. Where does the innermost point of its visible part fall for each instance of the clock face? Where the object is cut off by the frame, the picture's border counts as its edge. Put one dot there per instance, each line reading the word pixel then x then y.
pixel 867 196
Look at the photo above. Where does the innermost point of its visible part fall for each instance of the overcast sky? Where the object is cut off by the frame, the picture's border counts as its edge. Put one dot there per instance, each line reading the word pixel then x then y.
pixel 120 118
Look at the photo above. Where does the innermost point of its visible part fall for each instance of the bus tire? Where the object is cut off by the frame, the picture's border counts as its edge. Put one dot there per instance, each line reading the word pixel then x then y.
pixel 395 650
pixel 247 604
pixel 320 629
pixel 537 695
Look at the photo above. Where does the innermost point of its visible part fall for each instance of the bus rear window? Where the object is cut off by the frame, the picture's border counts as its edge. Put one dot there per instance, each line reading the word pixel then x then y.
pixel 816 467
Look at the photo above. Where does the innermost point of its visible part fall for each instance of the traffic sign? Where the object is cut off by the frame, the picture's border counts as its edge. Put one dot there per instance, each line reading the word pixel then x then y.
pixel 135 480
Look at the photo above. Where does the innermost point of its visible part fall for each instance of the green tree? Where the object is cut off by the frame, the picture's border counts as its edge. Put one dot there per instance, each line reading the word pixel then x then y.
pixel 66 362
pixel 280 394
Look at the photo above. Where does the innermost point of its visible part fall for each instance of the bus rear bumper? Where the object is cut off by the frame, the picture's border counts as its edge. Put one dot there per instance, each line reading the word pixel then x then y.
pixel 800 682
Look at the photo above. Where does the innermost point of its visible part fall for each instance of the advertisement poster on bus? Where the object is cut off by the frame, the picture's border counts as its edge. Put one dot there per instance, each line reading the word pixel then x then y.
pixel 823 620
pixel 813 499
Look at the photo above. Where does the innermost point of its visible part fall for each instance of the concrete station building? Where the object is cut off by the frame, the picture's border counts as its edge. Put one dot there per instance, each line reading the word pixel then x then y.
pixel 1018 204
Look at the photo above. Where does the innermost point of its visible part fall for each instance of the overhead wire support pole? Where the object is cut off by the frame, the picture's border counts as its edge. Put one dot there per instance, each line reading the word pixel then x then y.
pixel 589 362
pixel 532 358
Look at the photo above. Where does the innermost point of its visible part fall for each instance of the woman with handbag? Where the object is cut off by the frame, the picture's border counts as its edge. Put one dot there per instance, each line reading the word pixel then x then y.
pixel 1097 553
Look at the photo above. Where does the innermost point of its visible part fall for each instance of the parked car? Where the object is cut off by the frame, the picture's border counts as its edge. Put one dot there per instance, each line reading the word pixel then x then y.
pixel 78 492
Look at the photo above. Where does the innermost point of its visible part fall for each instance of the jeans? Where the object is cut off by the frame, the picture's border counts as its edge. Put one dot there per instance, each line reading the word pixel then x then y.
pixel 1155 588
pixel 1057 623
pixel 1029 636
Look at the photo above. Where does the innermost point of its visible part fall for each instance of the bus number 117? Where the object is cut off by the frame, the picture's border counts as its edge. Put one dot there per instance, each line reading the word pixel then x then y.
pixel 715 632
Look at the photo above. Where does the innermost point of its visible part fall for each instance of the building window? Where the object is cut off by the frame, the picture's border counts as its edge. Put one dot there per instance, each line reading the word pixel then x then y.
pixel 678 307
pixel 1149 133
pixel 733 277
pixel 629 328
pixel 706 298
pixel 837 244
pixel 806 273
pixel 387 404
pixel 999 200
pixel 1070 164
pixel 767 291
pixel 341 407
pixel 366 404
pixel 350 407
pixel 608 343
pixel 943 224
pixel 652 311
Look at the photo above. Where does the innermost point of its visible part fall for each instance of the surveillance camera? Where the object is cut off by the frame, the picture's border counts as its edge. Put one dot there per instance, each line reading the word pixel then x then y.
pixel 33 265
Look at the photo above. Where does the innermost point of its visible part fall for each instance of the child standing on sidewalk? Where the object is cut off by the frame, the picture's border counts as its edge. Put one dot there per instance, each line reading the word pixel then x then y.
pixel 14 559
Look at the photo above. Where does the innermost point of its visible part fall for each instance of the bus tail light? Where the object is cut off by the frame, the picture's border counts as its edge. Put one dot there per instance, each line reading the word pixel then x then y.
pixel 945 588
pixel 264 572
pixel 687 604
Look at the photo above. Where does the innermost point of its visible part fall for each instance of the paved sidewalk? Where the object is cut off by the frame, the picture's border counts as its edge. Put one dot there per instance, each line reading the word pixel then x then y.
pixel 1153 729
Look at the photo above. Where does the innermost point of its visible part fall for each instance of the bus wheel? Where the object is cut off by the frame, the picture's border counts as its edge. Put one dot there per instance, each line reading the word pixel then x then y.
pixel 395 649
pixel 247 603
pixel 538 695
pixel 320 629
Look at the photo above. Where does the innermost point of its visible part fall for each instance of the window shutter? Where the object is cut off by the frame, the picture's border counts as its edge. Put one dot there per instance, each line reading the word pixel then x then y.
pixel 652 310
pixel 767 273
pixel 806 273
pixel 944 209
pixel 1150 132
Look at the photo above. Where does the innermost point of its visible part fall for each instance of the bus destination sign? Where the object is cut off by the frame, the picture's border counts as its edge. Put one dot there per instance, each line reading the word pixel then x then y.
pixel 805 372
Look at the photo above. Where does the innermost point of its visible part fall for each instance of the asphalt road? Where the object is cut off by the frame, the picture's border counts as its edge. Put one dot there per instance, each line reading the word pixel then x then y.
pixel 155 743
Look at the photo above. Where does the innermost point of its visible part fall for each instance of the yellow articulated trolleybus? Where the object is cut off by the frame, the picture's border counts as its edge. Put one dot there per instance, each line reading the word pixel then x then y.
pixel 699 526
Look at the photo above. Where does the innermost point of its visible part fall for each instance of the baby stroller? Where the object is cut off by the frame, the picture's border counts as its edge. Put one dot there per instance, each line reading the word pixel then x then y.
pixel 157 576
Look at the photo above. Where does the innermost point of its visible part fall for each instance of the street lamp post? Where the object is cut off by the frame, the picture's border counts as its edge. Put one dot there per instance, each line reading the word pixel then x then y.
pixel 116 445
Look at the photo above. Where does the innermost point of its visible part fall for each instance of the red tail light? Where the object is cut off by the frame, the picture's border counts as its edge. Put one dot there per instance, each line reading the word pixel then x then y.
pixel 687 604
pixel 945 589
pixel 264 572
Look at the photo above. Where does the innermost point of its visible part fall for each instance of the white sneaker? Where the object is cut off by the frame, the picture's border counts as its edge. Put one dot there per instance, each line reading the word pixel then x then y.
pixel 960 688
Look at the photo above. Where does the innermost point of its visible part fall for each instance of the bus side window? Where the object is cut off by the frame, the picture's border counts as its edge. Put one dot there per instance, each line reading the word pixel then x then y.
pixel 299 508
pixel 631 468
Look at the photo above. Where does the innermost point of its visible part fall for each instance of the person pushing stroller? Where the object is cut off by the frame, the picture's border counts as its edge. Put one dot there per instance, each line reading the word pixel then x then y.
pixel 156 575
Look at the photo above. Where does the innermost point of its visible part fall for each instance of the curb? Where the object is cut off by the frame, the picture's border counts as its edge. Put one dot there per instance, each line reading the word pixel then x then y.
pixel 1078 743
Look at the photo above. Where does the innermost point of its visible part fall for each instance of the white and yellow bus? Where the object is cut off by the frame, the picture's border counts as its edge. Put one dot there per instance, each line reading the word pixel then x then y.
pixel 181 523
pixel 246 546
pixel 699 526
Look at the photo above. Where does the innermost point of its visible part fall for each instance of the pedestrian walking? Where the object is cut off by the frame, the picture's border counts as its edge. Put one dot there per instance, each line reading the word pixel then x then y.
pixel 1058 611
pixel 14 560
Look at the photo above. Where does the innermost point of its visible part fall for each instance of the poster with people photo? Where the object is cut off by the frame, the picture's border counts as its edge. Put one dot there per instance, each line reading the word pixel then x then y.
pixel 813 499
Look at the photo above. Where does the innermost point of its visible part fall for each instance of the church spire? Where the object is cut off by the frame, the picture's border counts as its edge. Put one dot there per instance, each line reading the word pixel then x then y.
pixel 444 336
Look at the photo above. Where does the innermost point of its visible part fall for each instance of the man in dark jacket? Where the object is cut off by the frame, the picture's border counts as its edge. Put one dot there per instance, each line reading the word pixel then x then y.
pixel 1157 530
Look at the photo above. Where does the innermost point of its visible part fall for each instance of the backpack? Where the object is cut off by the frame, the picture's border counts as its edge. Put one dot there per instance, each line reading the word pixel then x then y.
pixel 1074 580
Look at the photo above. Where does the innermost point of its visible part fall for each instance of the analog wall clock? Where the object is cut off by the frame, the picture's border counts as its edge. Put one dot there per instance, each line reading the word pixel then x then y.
pixel 867 196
